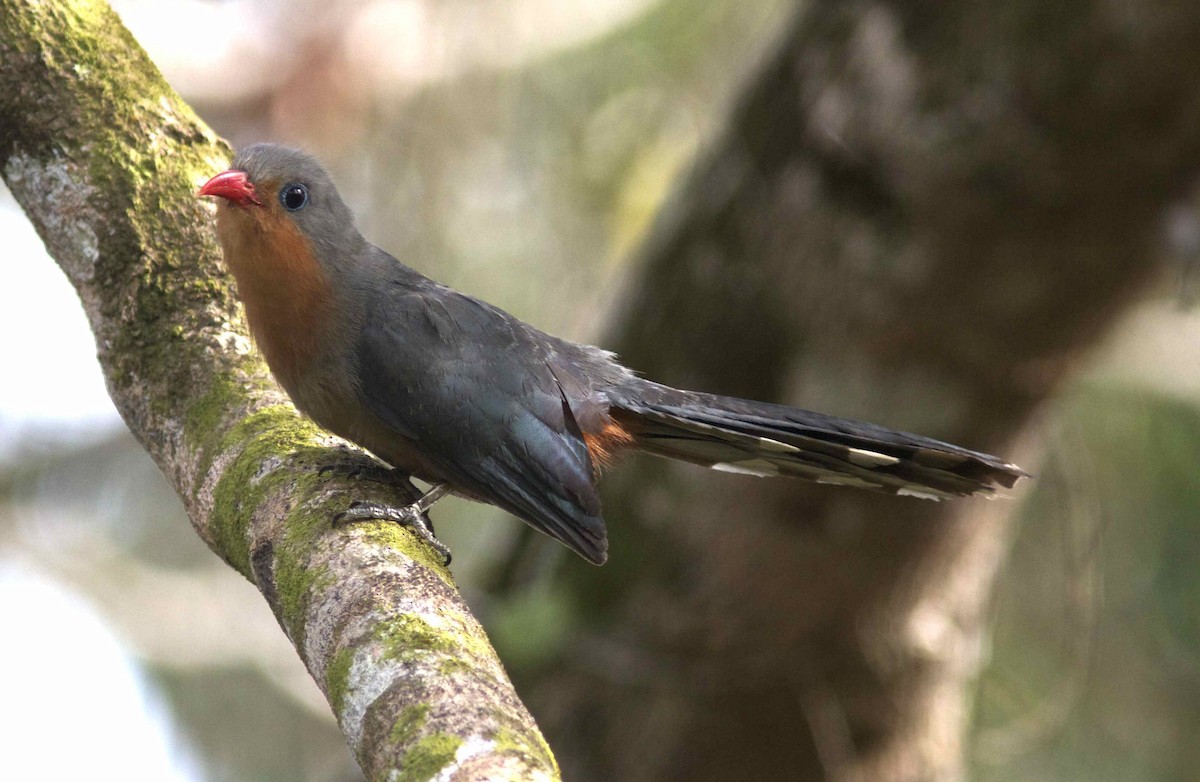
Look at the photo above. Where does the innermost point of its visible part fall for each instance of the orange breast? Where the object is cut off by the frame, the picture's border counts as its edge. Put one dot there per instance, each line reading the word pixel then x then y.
pixel 287 296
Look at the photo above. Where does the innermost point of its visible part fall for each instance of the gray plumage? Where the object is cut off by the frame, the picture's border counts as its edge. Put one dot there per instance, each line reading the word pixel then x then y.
pixel 453 390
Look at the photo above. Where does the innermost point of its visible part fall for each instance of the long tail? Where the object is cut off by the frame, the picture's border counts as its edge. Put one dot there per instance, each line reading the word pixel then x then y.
pixel 756 438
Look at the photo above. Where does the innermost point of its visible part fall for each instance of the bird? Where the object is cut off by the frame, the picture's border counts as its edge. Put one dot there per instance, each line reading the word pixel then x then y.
pixel 454 391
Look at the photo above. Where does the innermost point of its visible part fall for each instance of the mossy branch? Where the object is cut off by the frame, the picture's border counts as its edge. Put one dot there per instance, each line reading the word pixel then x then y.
pixel 105 159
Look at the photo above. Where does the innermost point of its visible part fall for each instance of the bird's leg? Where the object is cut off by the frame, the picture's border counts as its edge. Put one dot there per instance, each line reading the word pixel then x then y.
pixel 411 516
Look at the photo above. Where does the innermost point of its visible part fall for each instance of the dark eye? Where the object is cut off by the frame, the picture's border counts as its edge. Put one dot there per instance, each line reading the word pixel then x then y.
pixel 293 197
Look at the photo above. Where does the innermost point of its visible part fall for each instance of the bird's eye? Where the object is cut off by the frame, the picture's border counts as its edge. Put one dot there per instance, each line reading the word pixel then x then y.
pixel 294 197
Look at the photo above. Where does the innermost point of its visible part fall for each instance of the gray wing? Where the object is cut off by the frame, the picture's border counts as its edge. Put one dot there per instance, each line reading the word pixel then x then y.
pixel 472 389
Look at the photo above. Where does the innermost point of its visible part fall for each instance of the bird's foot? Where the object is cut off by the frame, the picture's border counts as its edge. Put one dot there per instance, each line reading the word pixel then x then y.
pixel 412 516
pixel 375 473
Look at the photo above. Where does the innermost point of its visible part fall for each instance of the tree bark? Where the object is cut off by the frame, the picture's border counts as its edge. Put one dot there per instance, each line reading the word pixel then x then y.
pixel 105 159
pixel 921 214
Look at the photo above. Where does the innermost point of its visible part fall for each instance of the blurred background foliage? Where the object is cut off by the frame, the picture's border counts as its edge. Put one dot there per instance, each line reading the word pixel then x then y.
pixel 517 151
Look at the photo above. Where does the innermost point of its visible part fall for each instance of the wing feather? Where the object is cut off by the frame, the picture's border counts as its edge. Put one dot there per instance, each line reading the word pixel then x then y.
pixel 472 389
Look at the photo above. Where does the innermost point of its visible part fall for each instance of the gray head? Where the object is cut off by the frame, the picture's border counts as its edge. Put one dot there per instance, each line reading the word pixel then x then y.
pixel 269 184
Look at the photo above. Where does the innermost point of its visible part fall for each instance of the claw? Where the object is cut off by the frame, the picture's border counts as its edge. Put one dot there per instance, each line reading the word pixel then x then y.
pixel 411 516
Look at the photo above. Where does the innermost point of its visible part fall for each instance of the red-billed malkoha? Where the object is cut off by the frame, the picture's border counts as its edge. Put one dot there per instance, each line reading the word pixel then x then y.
pixel 463 395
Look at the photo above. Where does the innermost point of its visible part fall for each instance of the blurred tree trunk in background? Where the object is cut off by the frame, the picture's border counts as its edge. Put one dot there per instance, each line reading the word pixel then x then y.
pixel 921 214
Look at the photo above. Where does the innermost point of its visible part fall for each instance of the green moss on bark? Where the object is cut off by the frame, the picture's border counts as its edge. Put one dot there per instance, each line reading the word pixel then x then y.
pixel 429 756
pixel 409 723
pixel 407 636
pixel 514 739
pixel 337 678
pixel 264 439
pixel 297 583
pixel 400 538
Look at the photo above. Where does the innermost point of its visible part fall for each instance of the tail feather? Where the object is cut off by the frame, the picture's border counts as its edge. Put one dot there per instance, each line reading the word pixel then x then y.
pixel 757 438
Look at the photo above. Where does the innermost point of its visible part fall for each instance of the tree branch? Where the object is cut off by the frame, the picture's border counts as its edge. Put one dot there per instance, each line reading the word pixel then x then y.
pixel 105 158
